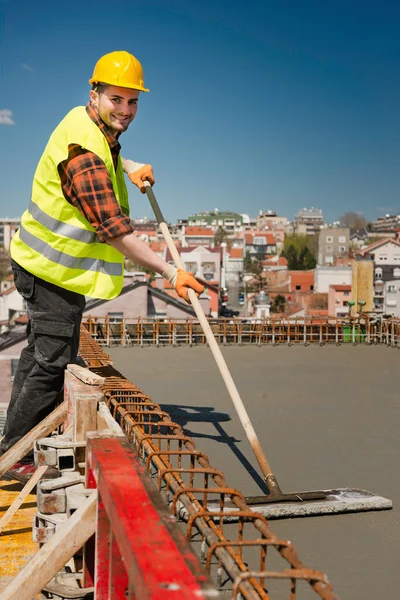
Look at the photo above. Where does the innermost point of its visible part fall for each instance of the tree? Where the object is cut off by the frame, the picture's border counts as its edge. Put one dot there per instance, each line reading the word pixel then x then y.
pixel 306 260
pixel 220 236
pixel 278 304
pixel 353 220
pixel 299 258
pixel 292 256
pixel 247 262
pixel 260 279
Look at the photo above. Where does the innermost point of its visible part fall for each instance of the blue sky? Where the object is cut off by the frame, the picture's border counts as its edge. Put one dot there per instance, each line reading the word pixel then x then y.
pixel 253 105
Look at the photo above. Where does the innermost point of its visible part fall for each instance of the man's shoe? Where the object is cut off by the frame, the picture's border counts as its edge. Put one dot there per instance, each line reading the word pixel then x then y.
pixel 23 471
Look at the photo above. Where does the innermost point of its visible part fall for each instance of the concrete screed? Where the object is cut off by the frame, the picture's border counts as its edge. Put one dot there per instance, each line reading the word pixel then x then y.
pixel 327 417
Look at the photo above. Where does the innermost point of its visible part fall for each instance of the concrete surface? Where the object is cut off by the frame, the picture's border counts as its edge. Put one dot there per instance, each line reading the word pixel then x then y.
pixel 327 417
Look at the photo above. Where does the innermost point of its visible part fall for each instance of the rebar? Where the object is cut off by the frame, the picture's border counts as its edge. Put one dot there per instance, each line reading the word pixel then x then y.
pixel 188 482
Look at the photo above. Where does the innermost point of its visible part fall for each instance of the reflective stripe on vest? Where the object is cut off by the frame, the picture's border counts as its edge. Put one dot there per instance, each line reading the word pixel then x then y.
pixel 60 228
pixel 83 263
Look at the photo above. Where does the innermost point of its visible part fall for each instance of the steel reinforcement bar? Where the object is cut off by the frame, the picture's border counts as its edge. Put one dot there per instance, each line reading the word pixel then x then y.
pixel 129 331
pixel 235 553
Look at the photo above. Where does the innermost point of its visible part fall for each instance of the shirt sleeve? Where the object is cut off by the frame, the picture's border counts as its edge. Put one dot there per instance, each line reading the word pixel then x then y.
pixel 87 185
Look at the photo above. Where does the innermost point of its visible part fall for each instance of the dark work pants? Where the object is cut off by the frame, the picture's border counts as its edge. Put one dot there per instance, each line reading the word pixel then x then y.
pixel 54 316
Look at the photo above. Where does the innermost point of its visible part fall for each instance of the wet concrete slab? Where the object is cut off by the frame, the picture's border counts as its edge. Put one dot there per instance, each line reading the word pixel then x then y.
pixel 327 417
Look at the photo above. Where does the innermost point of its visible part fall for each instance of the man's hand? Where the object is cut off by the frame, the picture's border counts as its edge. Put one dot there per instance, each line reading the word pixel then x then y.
pixel 138 173
pixel 182 280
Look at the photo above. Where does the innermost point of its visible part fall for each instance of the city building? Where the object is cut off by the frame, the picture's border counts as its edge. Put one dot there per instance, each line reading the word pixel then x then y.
pixel 338 300
pixel 385 255
pixel 358 238
pixel 204 263
pixel 229 221
pixel 270 220
pixel 333 243
pixel 194 236
pixel 8 227
pixel 259 243
pixel 312 218
pixel 326 276
pixel 388 224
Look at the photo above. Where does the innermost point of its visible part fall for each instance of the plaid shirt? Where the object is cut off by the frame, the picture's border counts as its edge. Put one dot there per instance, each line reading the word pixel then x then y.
pixel 87 185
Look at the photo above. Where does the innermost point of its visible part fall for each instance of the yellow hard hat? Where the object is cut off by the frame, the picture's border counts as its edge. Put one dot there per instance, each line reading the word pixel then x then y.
pixel 119 68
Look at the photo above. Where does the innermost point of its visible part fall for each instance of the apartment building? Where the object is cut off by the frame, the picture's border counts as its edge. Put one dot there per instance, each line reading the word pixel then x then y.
pixel 385 255
pixel 258 244
pixel 386 224
pixel 270 220
pixel 311 218
pixel 194 236
pixel 338 300
pixel 8 227
pixel 333 244
pixel 230 221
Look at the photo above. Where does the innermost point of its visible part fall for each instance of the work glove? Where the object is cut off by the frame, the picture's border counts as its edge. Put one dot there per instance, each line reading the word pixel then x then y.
pixel 138 173
pixel 182 280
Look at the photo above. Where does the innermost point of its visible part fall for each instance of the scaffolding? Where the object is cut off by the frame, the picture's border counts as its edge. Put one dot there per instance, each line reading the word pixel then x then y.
pixel 138 331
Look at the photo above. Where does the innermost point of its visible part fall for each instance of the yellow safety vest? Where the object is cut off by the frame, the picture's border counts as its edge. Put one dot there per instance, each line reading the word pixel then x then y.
pixel 55 242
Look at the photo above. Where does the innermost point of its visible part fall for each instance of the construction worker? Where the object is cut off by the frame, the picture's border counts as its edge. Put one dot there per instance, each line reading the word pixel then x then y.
pixel 74 236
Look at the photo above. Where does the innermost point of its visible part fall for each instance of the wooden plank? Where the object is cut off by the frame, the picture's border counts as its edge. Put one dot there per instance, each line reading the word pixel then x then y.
pixel 85 375
pixel 25 444
pixel 54 554
pixel 6 518
pixel 105 420
pixel 85 416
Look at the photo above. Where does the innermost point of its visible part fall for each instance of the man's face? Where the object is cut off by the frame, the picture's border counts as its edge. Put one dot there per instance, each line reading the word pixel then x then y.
pixel 116 106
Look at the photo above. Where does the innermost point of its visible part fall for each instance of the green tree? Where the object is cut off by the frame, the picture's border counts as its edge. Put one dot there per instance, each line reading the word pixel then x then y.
pixel 298 254
pixel 292 256
pixel 220 236
pixel 247 263
pixel 260 280
pixel 306 260
pixel 278 304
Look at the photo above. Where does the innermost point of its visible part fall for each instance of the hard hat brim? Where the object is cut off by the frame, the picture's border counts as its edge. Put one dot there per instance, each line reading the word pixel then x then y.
pixel 130 87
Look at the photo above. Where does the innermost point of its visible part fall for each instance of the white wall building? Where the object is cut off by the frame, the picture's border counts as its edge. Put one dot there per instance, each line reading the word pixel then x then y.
pixel 12 306
pixel 326 276
pixel 202 262
pixel 8 227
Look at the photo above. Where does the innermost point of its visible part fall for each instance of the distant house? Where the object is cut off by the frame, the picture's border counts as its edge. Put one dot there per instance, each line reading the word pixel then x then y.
pixel 359 237
pixel 385 255
pixel 338 300
pixel 333 244
pixel 301 281
pixel 197 236
pixel 259 243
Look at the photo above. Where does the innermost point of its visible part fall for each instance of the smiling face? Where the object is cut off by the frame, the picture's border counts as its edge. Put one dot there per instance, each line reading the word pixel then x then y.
pixel 116 106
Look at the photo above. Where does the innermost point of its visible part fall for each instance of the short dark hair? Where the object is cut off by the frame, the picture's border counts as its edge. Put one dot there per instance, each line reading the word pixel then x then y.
pixel 99 87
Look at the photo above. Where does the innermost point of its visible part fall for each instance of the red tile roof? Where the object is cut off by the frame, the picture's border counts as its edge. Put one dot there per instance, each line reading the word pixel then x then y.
pixel 269 237
pixel 275 261
pixel 196 231
pixel 157 246
pixel 236 253
pixel 22 319
pixel 341 288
